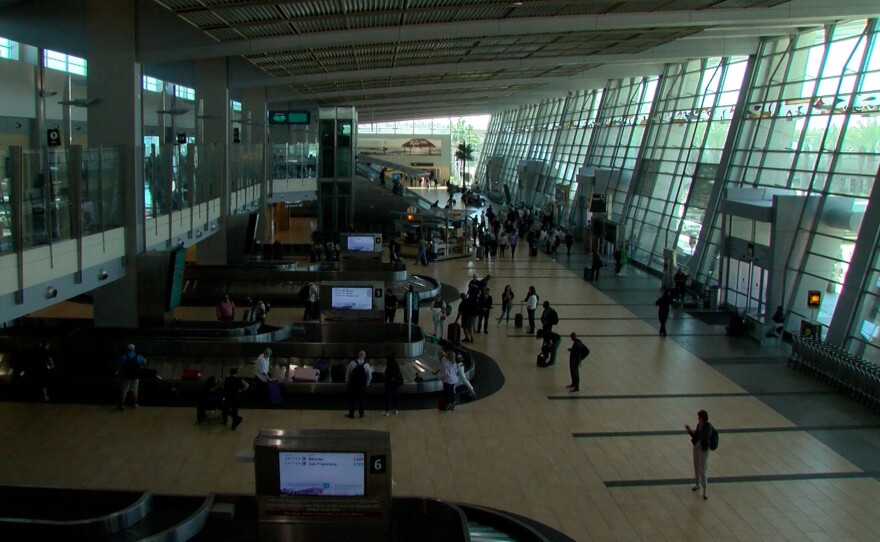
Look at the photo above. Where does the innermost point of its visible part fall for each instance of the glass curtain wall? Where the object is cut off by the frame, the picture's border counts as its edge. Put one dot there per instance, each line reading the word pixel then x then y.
pixel 865 335
pixel 683 148
pixel 560 139
pixel 619 129
pixel 810 128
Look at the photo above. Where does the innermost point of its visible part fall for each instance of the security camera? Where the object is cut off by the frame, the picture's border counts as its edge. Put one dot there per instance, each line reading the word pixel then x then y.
pixel 103 275
pixel 51 292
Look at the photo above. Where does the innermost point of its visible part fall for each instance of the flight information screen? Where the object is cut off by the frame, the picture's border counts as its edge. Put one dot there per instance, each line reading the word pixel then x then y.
pixel 332 474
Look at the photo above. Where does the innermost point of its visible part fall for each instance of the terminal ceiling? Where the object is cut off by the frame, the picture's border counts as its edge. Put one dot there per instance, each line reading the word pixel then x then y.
pixel 409 59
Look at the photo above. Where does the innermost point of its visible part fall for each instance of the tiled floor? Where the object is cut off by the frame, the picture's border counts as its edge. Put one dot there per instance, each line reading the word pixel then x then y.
pixel 797 461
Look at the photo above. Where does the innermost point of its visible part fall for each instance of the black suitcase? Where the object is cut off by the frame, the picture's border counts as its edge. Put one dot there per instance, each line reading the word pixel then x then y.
pixel 588 274
pixel 337 373
pixel 542 360
pixel 453 333
pixel 518 321
pixel 533 251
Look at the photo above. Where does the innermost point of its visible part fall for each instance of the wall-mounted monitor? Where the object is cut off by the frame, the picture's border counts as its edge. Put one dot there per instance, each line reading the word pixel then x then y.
pixel 290 117
pixel 360 243
pixel 351 298
pixel 325 474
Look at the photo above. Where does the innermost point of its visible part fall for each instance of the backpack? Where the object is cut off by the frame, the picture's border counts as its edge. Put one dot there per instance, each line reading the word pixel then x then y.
pixel 131 368
pixel 552 317
pixel 448 309
pixel 303 293
pixel 713 439
pixel 358 376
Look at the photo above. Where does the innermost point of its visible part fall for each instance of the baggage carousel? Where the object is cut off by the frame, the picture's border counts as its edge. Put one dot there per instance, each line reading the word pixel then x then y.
pixel 44 513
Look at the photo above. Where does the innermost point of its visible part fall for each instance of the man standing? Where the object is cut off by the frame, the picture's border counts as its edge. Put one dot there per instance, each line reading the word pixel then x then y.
pixel 390 306
pixel 312 312
pixel 549 318
pixel 129 371
pixel 233 387
pixel 578 352
pixel 226 309
pixel 700 437
pixel 484 306
pixel 531 307
pixel 358 376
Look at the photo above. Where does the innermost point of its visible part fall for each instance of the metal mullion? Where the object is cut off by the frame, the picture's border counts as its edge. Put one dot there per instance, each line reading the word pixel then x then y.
pixel 810 189
pixel 74 178
pixel 765 89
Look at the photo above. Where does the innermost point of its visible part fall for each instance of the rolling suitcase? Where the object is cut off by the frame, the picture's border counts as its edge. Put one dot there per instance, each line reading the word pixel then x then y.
pixel 518 319
pixel 453 333
pixel 274 392
pixel 588 274
pixel 306 374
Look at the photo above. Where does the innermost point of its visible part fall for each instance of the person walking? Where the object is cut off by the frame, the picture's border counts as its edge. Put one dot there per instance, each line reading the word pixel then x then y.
pixel 700 440
pixel 578 352
pixel 225 309
pixel 233 387
pixel 507 297
pixel 129 370
pixel 512 240
pixel 358 376
pixel 531 301
pixel 393 381
pixel 663 304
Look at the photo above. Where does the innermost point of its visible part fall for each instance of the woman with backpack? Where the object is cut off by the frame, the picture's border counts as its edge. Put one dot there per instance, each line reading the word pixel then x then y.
pixel 704 438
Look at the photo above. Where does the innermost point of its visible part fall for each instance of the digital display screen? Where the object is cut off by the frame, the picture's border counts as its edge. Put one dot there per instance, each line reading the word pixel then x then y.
pixel 360 243
pixel 353 298
pixel 290 117
pixel 327 474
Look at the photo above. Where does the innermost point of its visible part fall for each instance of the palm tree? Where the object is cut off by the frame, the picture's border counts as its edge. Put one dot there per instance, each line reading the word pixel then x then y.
pixel 464 153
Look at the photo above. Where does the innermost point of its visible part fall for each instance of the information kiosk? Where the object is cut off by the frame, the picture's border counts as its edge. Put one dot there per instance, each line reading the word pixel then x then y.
pixel 323 485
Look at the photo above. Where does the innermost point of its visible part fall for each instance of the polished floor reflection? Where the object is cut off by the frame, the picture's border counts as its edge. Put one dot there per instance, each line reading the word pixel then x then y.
pixel 797 460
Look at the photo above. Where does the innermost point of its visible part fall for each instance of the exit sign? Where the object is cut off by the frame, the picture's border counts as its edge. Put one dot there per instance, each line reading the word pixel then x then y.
pixel 290 117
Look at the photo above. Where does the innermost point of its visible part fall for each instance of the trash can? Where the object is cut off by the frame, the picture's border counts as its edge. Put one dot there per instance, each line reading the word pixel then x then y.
pixel 714 297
